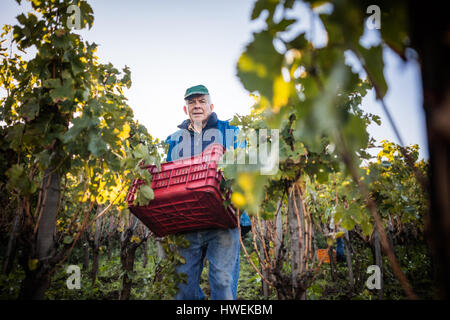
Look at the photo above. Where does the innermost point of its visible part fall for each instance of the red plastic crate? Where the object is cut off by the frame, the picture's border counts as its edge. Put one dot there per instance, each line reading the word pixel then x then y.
pixel 187 196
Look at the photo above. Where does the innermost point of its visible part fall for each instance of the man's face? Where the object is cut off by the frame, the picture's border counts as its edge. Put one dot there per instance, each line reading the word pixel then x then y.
pixel 198 108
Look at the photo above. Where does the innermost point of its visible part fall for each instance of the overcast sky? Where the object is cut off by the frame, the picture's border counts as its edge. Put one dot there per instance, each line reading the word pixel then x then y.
pixel 173 44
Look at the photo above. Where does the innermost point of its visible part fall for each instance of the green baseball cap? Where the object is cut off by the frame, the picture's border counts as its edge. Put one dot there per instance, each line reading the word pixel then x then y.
pixel 199 89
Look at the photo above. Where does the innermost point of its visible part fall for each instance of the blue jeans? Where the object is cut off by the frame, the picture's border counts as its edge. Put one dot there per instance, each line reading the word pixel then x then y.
pixel 222 248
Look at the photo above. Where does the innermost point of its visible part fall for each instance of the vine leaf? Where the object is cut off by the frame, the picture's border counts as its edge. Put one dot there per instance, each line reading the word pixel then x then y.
pixel 373 63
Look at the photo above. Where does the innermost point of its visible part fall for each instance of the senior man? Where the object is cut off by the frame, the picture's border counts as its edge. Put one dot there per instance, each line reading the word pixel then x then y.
pixel 221 247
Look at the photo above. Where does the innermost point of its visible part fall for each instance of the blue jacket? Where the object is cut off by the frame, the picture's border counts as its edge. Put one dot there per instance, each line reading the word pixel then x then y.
pixel 185 143
pixel 215 130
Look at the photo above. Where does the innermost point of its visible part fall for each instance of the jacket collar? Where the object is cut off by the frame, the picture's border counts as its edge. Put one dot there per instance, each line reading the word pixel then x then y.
pixel 211 123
